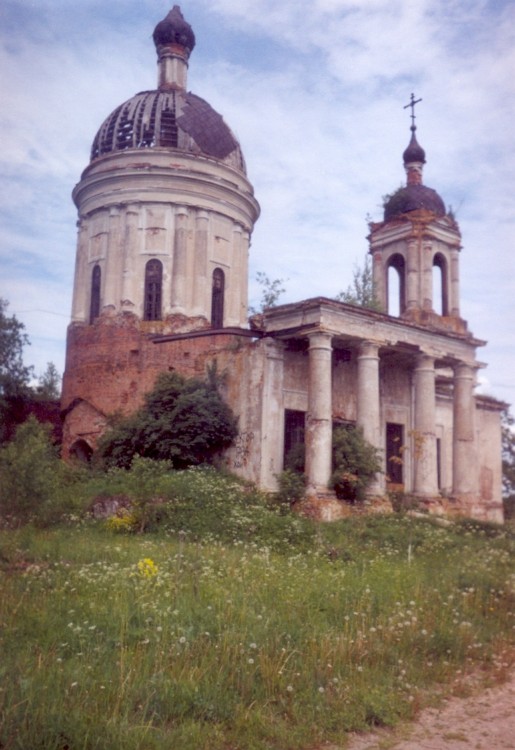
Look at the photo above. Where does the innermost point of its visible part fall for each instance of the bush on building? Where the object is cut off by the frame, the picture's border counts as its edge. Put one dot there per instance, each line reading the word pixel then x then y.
pixel 182 421
pixel 355 463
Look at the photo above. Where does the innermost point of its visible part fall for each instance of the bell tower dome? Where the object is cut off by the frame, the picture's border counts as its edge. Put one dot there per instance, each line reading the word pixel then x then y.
pixel 416 248
pixel 165 216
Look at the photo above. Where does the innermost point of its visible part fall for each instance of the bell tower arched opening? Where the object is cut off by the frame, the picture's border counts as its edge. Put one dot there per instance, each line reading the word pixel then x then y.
pixel 396 285
pixel 440 285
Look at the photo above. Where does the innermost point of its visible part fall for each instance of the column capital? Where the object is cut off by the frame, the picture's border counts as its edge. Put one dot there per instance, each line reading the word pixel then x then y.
pixel 320 340
pixel 464 369
pixel 368 350
pixel 201 215
pixel 424 361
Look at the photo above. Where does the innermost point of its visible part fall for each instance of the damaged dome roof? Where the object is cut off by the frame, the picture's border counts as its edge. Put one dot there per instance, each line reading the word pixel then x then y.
pixel 169 117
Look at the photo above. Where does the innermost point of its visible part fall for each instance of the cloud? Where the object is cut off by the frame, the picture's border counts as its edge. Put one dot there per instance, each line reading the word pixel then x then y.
pixel 314 90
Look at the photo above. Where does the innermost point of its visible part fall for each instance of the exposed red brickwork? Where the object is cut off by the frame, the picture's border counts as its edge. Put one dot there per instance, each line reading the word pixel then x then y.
pixel 111 365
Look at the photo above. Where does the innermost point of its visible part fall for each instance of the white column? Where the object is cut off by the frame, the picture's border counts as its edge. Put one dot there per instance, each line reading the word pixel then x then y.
pixel 412 276
pixel 368 403
pixel 465 471
pixel 379 280
pixel 319 426
pixel 113 271
pixel 424 432
pixel 82 280
pixel 129 255
pixel 272 414
pixel 426 291
pixel 454 289
pixel 201 282
pixel 179 268
pixel 234 298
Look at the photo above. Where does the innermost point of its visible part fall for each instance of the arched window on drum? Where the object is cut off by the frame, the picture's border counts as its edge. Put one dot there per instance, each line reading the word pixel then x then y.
pixel 217 299
pixel 153 290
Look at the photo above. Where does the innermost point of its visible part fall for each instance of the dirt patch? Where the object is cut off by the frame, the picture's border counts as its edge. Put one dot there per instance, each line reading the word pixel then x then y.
pixel 484 721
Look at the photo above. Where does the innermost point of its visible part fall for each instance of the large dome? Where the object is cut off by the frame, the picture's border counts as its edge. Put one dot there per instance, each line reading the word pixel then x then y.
pixel 171 119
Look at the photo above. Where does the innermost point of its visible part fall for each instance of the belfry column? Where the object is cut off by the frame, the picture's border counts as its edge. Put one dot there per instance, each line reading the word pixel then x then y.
pixel 319 423
pixel 424 435
pixel 412 275
pixel 368 403
pixel 464 444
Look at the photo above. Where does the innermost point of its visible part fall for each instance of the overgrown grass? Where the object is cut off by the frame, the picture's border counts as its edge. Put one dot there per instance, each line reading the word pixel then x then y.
pixel 236 626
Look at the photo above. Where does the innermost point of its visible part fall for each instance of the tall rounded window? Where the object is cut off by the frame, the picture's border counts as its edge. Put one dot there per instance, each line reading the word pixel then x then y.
pixel 153 290
pixel 217 298
pixel 94 301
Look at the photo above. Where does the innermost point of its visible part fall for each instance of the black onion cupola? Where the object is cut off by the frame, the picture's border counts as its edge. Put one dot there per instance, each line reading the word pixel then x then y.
pixel 415 195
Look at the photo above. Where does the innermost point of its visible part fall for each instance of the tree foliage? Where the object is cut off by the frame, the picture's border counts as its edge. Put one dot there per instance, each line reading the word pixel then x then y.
pixel 49 384
pixel 182 421
pixel 271 290
pixel 508 462
pixel 18 399
pixel 355 463
pixel 361 291
pixel 34 482
pixel 14 376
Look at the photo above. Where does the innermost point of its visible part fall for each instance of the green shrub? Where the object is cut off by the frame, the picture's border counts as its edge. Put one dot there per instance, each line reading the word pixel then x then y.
pixel 292 487
pixel 355 462
pixel 34 484
pixel 182 421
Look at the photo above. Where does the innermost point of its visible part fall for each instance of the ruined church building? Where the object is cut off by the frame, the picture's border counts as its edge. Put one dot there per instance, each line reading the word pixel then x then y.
pixel 166 213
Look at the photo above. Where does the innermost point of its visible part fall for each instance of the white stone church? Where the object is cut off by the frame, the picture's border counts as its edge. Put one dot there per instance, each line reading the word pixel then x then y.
pixel 166 213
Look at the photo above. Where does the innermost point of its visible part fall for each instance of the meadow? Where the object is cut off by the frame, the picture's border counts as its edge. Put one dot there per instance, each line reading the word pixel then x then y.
pixel 234 624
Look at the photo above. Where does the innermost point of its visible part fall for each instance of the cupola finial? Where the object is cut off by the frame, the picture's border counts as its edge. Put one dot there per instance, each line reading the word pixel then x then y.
pixel 414 156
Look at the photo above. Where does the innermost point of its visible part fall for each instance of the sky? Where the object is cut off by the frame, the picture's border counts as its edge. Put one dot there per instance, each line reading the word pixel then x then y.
pixel 315 92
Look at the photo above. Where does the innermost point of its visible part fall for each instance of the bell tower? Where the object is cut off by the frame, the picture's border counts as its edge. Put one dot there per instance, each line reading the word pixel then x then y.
pixel 165 216
pixel 416 249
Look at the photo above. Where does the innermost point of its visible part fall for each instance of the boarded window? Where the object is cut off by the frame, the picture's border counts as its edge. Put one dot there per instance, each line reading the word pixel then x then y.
pixel 94 303
pixel 394 453
pixel 217 299
pixel 294 430
pixel 153 289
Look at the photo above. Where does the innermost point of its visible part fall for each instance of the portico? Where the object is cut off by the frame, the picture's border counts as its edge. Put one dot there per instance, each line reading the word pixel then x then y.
pixel 421 381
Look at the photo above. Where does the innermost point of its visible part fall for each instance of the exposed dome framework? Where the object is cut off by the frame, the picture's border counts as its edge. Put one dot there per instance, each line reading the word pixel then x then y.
pixel 169 117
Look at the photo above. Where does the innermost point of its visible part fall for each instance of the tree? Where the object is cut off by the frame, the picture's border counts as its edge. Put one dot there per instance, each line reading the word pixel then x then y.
pixel 270 292
pixel 182 421
pixel 361 291
pixel 14 376
pixel 508 462
pixel 49 384
pixel 36 486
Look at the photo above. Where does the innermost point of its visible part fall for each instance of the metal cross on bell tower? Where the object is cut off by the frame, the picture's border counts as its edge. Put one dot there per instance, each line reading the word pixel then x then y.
pixel 412 104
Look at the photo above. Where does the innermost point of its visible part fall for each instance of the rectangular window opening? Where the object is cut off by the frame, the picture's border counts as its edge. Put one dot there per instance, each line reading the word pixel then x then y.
pixel 394 454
